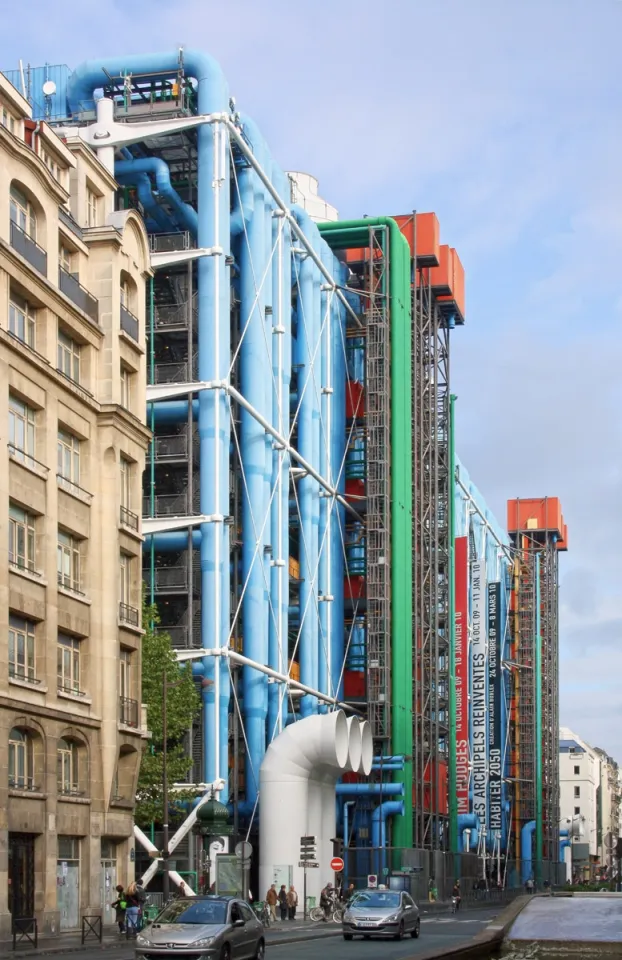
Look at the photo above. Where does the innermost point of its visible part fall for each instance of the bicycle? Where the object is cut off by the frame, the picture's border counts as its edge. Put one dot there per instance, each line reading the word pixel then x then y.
pixel 335 912
pixel 262 912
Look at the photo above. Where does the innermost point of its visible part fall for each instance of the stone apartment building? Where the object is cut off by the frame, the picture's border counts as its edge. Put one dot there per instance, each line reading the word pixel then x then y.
pixel 72 447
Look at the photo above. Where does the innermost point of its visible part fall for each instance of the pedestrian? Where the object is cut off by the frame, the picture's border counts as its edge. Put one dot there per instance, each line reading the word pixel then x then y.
pixel 349 893
pixel 183 890
pixel 292 903
pixel 272 900
pixel 326 899
pixel 282 895
pixel 135 898
pixel 456 894
pixel 120 906
pixel 431 890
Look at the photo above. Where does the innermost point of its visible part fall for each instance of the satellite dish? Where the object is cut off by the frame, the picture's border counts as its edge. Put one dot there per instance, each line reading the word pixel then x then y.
pixel 49 88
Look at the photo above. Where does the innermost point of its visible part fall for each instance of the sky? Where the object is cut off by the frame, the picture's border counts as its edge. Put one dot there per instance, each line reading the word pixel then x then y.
pixel 503 118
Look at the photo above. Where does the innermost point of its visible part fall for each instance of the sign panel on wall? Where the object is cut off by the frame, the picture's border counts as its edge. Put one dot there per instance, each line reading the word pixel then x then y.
pixel 478 689
pixel 495 747
pixel 462 673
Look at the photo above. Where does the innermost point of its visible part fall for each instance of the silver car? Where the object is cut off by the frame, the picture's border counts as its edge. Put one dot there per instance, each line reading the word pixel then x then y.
pixel 203 928
pixel 381 913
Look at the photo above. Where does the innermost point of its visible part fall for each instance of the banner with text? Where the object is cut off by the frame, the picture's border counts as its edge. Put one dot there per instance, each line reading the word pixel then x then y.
pixel 479 689
pixel 462 672
pixel 495 747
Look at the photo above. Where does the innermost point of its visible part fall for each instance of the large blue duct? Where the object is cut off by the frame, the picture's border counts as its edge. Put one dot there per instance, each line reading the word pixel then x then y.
pixel 468 821
pixel 370 789
pixel 389 808
pixel 128 171
pixel 526 836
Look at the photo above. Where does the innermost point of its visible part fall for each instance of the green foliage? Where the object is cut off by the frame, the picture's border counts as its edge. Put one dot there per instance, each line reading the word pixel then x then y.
pixel 182 706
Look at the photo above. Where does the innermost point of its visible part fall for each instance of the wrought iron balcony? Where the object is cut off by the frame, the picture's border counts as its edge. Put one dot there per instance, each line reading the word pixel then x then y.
pixel 29 249
pixel 128 712
pixel 129 323
pixel 74 489
pixel 23 783
pixel 15 453
pixel 72 288
pixel 67 789
pixel 128 519
pixel 128 614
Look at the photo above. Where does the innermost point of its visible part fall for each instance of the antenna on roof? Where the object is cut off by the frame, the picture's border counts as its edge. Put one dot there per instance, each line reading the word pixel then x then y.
pixel 21 75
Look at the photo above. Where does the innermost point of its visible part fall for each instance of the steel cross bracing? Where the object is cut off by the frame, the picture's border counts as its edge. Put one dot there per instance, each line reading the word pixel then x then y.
pixel 550 705
pixel 431 491
pixel 378 415
pixel 525 733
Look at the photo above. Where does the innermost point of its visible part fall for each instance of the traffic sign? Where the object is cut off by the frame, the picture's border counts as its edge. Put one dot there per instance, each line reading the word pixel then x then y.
pixel 308 863
pixel 336 864
pixel 307 841
pixel 243 850
pixel 372 880
pixel 304 855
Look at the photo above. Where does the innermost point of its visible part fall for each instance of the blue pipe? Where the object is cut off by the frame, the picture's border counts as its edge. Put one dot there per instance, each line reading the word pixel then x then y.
pixel 173 411
pixel 184 215
pixel 389 808
pixel 370 789
pixel 253 453
pixel 346 833
pixel 526 835
pixel 338 442
pixel 146 196
pixel 173 541
pixel 469 821
pixel 388 766
pixel 398 758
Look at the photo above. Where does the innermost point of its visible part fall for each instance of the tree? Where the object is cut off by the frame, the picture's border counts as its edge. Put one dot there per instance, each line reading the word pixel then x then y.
pixel 182 706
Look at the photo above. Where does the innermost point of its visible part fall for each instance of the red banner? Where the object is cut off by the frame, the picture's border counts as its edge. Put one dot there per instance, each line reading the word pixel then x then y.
pixel 462 673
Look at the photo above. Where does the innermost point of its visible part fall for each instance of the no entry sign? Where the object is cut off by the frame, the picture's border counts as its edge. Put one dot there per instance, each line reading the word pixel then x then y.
pixel 336 864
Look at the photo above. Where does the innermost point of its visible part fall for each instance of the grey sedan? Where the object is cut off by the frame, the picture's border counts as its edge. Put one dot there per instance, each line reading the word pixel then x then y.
pixel 381 913
pixel 203 928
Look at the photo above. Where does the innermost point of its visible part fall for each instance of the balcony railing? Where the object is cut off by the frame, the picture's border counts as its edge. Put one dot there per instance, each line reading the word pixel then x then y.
pixel 128 519
pixel 73 289
pixel 68 584
pixel 23 564
pixel 29 249
pixel 23 783
pixel 129 323
pixel 67 789
pixel 178 634
pixel 168 242
pixel 70 223
pixel 22 457
pixel 73 488
pixel 128 712
pixel 174 447
pixel 171 372
pixel 171 578
pixel 71 688
pixel 75 386
pixel 25 675
pixel 175 316
pixel 167 505
pixel 128 615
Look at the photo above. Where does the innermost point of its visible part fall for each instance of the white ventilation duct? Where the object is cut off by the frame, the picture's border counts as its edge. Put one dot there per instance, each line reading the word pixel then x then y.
pixel 297 784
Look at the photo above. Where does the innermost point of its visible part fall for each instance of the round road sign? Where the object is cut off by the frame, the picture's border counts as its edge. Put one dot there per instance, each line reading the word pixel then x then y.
pixel 336 864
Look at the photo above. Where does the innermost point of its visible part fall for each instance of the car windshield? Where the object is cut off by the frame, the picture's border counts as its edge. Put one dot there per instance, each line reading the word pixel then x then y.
pixel 376 899
pixel 194 911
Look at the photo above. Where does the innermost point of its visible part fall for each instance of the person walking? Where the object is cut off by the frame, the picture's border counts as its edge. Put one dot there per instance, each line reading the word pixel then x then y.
pixel 120 906
pixel 326 899
pixel 135 899
pixel 456 895
pixel 292 903
pixel 282 895
pixel 272 900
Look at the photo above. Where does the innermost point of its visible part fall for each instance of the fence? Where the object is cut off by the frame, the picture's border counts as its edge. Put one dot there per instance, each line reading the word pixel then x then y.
pixel 420 871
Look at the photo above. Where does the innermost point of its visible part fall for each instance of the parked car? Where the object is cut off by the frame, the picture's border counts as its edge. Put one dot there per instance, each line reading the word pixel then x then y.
pixel 205 928
pixel 381 913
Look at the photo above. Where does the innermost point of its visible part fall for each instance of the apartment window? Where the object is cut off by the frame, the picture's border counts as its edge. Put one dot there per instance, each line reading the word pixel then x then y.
pixel 21 426
pixel 92 207
pixel 21 648
pixel 68 357
pixel 125 294
pixel 21 538
pixel 68 561
pixel 68 448
pixel 126 567
pixel 68 663
pixel 577 792
pixel 23 213
pixel 68 768
pixel 125 674
pixel 126 483
pixel 577 771
pixel 577 811
pixel 66 258
pixel 126 388
pixel 21 760
pixel 22 320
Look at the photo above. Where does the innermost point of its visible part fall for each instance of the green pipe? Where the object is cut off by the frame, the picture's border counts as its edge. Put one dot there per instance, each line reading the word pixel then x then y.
pixel 453 777
pixel 355 233
pixel 538 729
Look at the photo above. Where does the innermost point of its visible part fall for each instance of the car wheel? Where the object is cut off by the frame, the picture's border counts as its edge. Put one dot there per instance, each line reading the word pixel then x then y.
pixel 417 930
pixel 225 953
pixel 347 936
pixel 400 932
pixel 260 952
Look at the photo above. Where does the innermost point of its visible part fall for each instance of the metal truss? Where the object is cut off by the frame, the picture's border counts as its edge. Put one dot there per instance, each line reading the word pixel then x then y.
pixel 430 348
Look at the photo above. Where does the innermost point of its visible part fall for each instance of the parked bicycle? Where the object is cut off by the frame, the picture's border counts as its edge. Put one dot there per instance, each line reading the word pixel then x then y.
pixel 262 912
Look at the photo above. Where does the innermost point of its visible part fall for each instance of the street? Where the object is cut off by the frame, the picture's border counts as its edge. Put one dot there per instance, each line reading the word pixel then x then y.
pixel 436 932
